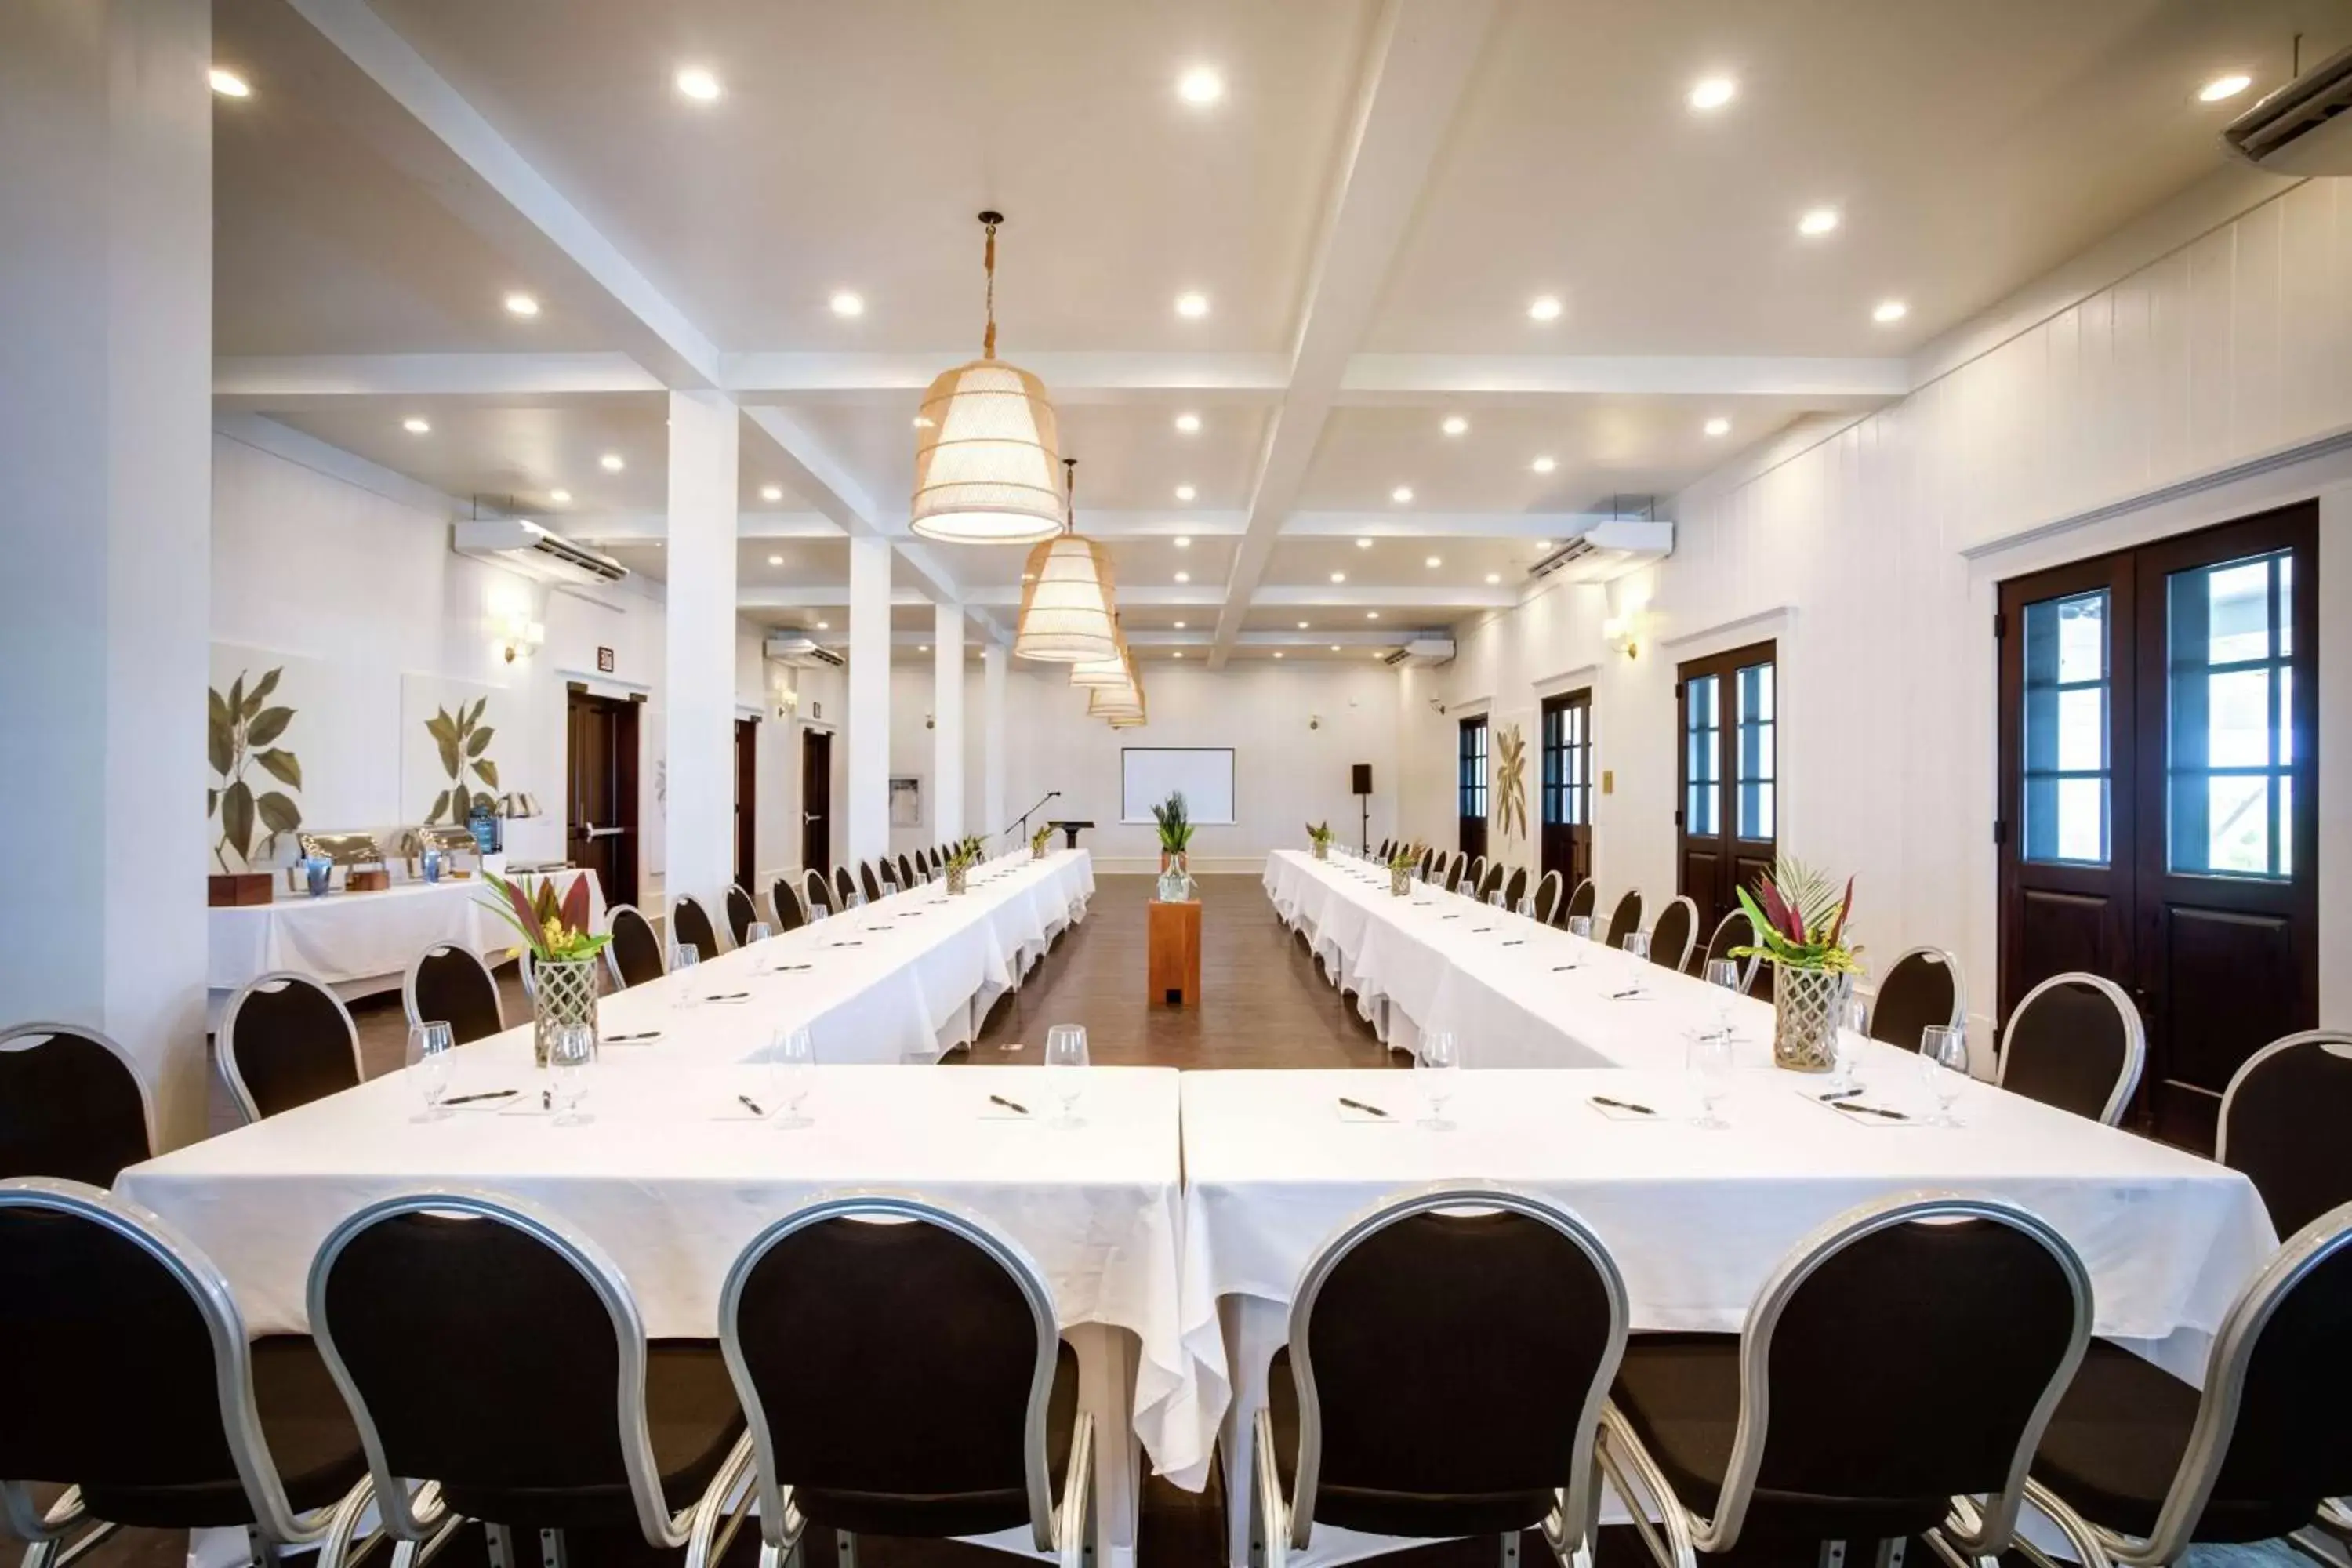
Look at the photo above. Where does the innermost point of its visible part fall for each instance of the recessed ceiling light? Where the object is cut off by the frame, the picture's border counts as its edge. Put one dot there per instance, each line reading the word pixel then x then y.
pixel 698 84
pixel 824 625
pixel 1183 576
pixel 1193 307
pixel 1200 85
pixel 1179 626
pixel 923 648
pixel 228 84
pixel 1542 545
pixel 1363 545
pixel 1188 423
pixel 1543 464
pixel 1455 424
pixel 1711 93
pixel 1178 654
pixel 416 426
pixel 1494 576
pixel 922 421
pixel 776 561
pixel 521 305
pixel 1183 541
pixel 611 462
pixel 1889 310
pixel 1277 653
pixel 1717 426
pixel 1335 647
pixel 1371 614
pixel 1338 576
pixel 2213 91
pixel 1435 561
pixel 1302 626
pixel 1402 493
pixel 561 498
pixel 771 492
pixel 1185 492
pixel 846 304
pixel 1818 222
pixel 1544 308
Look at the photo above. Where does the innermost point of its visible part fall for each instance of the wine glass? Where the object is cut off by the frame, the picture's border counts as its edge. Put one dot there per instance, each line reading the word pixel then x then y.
pixel 1637 947
pixel 1944 1059
pixel 1708 1059
pixel 1581 926
pixel 684 956
pixel 755 934
pixel 1066 1064
pixel 792 1073
pixel 1845 1043
pixel 1724 975
pixel 568 1056
pixel 428 1061
pixel 1440 1059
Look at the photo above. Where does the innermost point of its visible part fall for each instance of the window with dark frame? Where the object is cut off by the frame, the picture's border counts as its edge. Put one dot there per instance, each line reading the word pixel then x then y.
pixel 1567 765
pixel 1727 811
pixel 1472 768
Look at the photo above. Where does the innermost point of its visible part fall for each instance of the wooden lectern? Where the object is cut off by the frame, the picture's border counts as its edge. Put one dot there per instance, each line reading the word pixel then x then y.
pixel 1175 963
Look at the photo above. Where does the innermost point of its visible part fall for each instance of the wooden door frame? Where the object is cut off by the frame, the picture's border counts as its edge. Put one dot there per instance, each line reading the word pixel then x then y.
pixel 822 862
pixel 1723 665
pixel 628 713
pixel 1577 698
pixel 747 802
pixel 1470 840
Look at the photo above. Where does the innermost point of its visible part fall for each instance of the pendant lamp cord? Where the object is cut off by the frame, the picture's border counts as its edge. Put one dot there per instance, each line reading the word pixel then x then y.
pixel 1069 495
pixel 988 343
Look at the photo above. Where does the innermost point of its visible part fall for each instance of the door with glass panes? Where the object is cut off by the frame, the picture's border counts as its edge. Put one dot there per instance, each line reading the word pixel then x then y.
pixel 2158 817
pixel 1725 819
pixel 1567 845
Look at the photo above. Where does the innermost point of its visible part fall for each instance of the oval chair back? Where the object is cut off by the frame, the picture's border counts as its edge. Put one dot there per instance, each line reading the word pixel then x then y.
pixel 1492 882
pixel 1583 901
pixel 1734 930
pixel 285 1040
pixel 105 1304
pixel 1922 988
pixel 450 985
pixel 528 1403
pixel 1515 890
pixel 1547 897
pixel 941 1337
pixel 907 876
pixel 1525 1310
pixel 2075 1042
pixel 634 955
pixel 71 1105
pixel 1475 875
pixel 1626 919
pixel 869 882
pixel 741 914
pixel 1428 858
pixel 2283 1123
pixel 790 913
pixel 689 926
pixel 1671 937
pixel 889 875
pixel 820 895
pixel 845 887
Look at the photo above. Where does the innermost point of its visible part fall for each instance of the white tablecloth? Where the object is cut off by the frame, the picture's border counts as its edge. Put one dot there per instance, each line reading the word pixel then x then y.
pixel 1697 1219
pixel 361 942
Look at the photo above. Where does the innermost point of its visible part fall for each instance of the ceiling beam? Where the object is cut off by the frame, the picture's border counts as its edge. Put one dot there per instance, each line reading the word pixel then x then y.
pixel 280 381
pixel 1187 596
pixel 812 472
pixel 815 596
pixel 1420 60
pixel 1378 597
pixel 641 527
pixel 1440 524
pixel 1105 376
pixel 1505 380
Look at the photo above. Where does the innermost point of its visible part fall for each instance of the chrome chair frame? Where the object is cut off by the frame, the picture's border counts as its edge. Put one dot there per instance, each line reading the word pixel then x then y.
pixel 821 905
pixel 1610 936
pixel 1283 1526
pixel 409 980
pixel 275 1520
pixel 1690 931
pixel 1980 1531
pixel 844 889
pixel 2217 1413
pixel 1747 968
pixel 611 949
pixel 421 1517
pixel 780 888
pixel 2135 1036
pixel 45 1028
pixel 1568 911
pixel 225 1034
pixel 2335 1041
pixel 1062 1528
pixel 1952 965
pixel 727 906
pixel 1541 908
pixel 719 928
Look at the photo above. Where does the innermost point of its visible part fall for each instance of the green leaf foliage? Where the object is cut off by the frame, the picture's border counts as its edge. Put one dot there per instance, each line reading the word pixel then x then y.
pixel 283 766
pixel 267 725
pixel 219 748
pixel 479 741
pixel 236 817
pixel 440 806
pixel 260 692
pixel 278 813
pixel 488 771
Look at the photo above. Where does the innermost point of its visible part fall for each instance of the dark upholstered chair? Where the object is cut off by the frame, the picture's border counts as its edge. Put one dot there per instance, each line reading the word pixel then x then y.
pixel 71 1105
pixel 908 877
pixel 285 1040
pixel 130 1380
pixel 690 926
pixel 1475 875
pixel 1922 988
pixel 870 884
pixel 1515 888
pixel 820 896
pixel 2074 1042
pixel 742 914
pixel 1626 918
pixel 537 1404
pixel 450 985
pixel 2283 1123
pixel 1428 858
pixel 845 887
pixel 2137 1466
pixel 635 953
pixel 785 900
pixel 1734 930
pixel 903 1376
pixel 1671 937
pixel 1545 904
pixel 1448 1358
pixel 1582 901
pixel 889 875
pixel 1908 1354
pixel 1490 882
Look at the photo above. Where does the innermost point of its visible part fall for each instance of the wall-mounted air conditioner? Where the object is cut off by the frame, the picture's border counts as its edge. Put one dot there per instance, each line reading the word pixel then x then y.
pixel 1607 549
pixel 521 545
pixel 2301 129
pixel 802 653
pixel 1421 653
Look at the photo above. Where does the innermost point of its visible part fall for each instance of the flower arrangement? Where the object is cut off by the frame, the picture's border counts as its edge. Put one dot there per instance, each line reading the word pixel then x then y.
pixel 1799 916
pixel 963 854
pixel 556 932
pixel 1037 841
pixel 1175 825
pixel 1318 833
pixel 1407 855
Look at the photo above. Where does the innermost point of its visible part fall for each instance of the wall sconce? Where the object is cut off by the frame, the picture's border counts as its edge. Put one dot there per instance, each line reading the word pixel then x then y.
pixel 787 701
pixel 1623 632
pixel 519 636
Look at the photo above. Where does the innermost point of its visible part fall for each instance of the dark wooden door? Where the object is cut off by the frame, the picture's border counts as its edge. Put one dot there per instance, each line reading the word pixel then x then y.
pixel 747 802
pixel 816 800
pixel 1470 774
pixel 1726 773
pixel 601 790
pixel 2161 828
pixel 1567 846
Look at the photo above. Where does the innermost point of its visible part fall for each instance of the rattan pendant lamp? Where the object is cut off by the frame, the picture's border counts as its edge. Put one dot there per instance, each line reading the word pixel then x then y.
pixel 1123 705
pixel 985 447
pixel 1114 672
pixel 1065 604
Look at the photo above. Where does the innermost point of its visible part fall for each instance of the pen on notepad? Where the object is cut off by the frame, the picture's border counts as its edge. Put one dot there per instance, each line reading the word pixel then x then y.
pixel 1359 1105
pixel 1012 1105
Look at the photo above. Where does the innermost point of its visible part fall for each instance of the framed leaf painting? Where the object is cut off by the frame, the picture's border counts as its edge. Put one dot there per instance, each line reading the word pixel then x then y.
pixel 451 735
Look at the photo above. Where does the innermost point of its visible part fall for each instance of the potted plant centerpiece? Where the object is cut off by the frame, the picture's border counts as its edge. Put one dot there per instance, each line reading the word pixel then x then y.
pixel 1799 919
pixel 960 860
pixel 1319 834
pixel 1037 841
pixel 1175 846
pixel 560 949
pixel 1400 866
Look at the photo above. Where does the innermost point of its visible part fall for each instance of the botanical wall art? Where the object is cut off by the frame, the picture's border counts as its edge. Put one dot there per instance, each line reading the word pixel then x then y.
pixel 1510 802
pixel 253 798
pixel 448 731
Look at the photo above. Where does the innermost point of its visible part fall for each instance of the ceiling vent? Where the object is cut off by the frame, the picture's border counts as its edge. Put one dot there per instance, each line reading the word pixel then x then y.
pixel 521 545
pixel 1606 549
pixel 1421 653
pixel 802 653
pixel 2301 129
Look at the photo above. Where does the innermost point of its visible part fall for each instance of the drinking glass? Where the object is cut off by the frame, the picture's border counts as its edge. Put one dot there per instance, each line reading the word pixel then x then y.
pixel 428 1062
pixel 1440 1059
pixel 1944 1059
pixel 1724 975
pixel 1066 1064
pixel 1845 1044
pixel 1496 898
pixel 792 1073
pixel 1581 926
pixel 568 1056
pixel 1708 1058
pixel 1637 947
pixel 687 991
pixel 754 934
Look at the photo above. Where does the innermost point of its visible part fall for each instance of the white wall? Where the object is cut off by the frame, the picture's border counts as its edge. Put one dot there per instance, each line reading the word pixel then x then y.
pixel 1875 558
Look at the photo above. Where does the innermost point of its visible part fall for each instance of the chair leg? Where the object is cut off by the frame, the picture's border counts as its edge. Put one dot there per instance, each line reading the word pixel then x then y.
pixel 845 1548
pixel 1890 1551
pixel 1511 1544
pixel 498 1541
pixel 554 1552
pixel 1833 1554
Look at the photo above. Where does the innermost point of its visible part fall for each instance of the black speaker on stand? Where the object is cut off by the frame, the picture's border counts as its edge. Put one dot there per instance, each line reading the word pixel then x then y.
pixel 1363 781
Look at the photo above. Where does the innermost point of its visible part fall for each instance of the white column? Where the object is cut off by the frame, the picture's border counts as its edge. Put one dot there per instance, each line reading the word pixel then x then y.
pixel 867 715
pixel 947 720
pixel 698 678
pixel 991 738
pixel 106 516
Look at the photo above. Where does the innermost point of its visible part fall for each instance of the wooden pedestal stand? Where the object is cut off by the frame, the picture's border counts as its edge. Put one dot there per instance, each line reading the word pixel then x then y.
pixel 1175 963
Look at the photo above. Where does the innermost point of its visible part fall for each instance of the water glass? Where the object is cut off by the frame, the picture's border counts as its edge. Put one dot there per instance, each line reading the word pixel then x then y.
pixel 568 1056
pixel 688 990
pixel 428 1063
pixel 1724 975
pixel 1708 1059
pixel 431 860
pixel 1854 1028
pixel 1944 1059
pixel 755 934
pixel 318 873
pixel 1637 947
pixel 1581 926
pixel 1066 1065
pixel 1440 1059
pixel 792 1073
